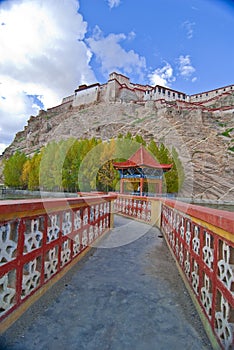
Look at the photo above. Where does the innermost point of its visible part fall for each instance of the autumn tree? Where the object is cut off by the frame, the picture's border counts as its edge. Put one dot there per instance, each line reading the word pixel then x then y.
pixel 13 168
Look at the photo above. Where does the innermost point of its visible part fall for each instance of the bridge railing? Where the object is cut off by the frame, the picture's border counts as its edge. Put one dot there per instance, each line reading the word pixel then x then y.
pixel 39 242
pixel 201 241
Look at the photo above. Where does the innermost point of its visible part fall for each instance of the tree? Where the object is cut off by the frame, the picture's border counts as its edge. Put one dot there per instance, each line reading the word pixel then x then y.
pixel 13 168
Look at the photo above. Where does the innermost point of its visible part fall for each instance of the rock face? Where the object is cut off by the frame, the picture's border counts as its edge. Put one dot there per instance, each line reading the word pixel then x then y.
pixel 202 136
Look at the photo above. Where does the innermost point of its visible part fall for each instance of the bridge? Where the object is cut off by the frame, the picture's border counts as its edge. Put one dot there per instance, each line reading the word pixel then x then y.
pixel 115 272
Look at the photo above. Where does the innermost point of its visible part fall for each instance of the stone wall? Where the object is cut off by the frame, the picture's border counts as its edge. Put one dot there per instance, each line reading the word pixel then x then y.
pixel 86 96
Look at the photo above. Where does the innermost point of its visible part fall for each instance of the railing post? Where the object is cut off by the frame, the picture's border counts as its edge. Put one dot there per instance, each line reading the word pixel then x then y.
pixel 156 213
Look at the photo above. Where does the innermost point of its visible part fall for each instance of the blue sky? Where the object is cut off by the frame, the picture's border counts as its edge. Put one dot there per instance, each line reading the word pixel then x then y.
pixel 49 47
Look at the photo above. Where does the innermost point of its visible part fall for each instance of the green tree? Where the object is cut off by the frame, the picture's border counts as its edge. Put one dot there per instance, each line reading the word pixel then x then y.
pixel 13 168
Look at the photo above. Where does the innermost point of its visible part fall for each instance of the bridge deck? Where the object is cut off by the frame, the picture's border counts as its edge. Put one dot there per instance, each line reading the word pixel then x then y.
pixel 124 294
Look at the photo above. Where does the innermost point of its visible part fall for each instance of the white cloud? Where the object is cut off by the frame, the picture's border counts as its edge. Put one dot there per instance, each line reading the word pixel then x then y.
pixel 188 26
pixel 185 67
pixel 162 76
pixel 43 53
pixel 113 3
pixel 111 55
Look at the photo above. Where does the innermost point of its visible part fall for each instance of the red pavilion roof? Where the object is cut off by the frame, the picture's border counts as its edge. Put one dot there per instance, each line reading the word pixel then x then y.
pixel 141 158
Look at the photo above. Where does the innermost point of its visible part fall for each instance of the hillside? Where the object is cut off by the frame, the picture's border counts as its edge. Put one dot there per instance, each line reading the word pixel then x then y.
pixel 203 135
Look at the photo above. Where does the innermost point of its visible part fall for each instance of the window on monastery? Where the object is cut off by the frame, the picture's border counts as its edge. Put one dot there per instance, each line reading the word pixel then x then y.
pixel 163 91
pixel 173 95
pixel 231 87
pixel 224 89
pixel 169 93
pixel 216 91
pixel 184 97
pixel 159 89
pixel 196 96
pixel 207 94
pixel 200 95
pixel 178 95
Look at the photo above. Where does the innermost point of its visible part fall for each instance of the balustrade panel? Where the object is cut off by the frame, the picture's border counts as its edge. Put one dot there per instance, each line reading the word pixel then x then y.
pixel 35 248
pixel 135 208
pixel 207 262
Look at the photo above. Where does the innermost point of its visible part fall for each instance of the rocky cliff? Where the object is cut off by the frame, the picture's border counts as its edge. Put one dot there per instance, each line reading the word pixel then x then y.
pixel 202 134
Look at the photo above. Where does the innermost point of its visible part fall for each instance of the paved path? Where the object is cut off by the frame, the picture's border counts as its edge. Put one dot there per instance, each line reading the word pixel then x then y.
pixel 128 297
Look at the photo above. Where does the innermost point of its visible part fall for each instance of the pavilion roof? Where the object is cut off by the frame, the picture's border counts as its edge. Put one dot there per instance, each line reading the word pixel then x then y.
pixel 141 158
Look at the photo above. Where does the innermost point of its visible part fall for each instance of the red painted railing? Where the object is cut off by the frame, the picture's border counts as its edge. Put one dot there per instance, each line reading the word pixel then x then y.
pixel 134 207
pixel 40 238
pixel 202 242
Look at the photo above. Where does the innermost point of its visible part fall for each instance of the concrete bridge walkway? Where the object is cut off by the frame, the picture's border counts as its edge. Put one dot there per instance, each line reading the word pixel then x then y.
pixel 124 294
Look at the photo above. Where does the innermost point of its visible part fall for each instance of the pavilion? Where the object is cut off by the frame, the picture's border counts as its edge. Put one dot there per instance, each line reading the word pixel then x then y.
pixel 141 170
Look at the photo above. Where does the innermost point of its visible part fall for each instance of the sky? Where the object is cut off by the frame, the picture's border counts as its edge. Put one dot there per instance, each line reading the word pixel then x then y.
pixel 50 47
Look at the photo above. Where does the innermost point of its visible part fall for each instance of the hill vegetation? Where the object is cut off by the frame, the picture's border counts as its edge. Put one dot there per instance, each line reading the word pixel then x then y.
pixel 87 164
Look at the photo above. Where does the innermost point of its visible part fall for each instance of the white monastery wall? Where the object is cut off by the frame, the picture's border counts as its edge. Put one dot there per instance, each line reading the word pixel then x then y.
pixel 204 96
pixel 68 99
pixel 119 88
pixel 86 96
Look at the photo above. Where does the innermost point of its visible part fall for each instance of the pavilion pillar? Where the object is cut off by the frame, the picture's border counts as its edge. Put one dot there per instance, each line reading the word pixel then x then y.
pixel 141 185
pixel 160 187
pixel 121 185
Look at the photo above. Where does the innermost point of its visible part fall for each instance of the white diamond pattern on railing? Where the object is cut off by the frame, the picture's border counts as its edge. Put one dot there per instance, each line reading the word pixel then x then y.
pixel 206 296
pixel 77 220
pixel 76 245
pixel 196 241
pixel 32 239
pixel 51 264
pixel 91 234
pixel 31 278
pixel 86 217
pixel 187 264
pixel 96 231
pixel 67 223
pixel 96 212
pixel 6 295
pixel 224 328
pixel 7 245
pixel 188 232
pixel 53 230
pixel 181 254
pixel 226 270
pixel 85 238
pixel 177 246
pixel 208 256
pixel 65 252
pixel 195 277
pixel 92 213
pixel 182 228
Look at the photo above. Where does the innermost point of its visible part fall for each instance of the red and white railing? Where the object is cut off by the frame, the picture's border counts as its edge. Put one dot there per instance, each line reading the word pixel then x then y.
pixel 202 242
pixel 41 238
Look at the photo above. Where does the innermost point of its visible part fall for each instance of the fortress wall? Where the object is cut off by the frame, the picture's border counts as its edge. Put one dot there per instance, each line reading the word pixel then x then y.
pixel 103 93
pixel 68 99
pixel 140 94
pixel 120 78
pixel 112 91
pixel 86 96
pixel 127 95
pixel 210 94
pixel 161 92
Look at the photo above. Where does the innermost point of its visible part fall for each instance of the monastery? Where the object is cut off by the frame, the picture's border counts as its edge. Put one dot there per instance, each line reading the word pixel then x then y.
pixel 119 88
